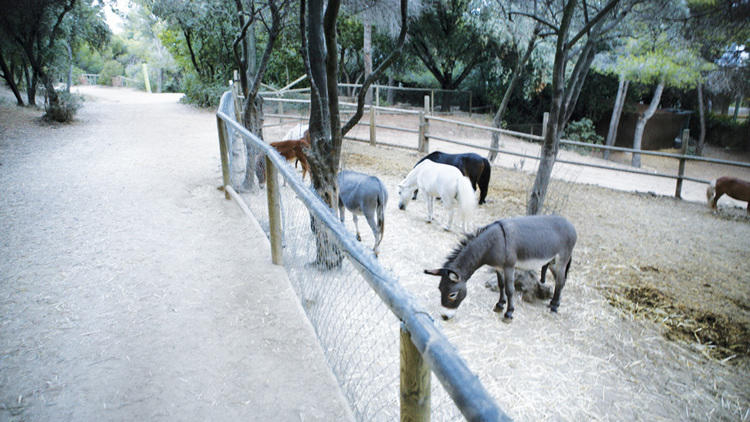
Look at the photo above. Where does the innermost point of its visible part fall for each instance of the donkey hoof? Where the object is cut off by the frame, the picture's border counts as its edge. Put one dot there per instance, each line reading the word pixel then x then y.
pixel 553 308
pixel 359 238
pixel 508 315
pixel 498 307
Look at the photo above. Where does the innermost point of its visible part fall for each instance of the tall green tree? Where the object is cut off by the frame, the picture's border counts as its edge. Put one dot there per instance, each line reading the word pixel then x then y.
pixel 38 29
pixel 448 41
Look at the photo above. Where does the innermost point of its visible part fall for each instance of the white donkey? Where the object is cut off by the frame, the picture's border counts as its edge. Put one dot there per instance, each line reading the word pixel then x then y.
pixel 434 180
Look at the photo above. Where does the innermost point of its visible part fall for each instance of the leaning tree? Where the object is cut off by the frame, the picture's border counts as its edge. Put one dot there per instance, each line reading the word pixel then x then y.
pixel 578 29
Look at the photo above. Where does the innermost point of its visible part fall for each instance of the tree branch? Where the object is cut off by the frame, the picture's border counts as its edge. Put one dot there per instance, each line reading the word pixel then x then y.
pixel 599 16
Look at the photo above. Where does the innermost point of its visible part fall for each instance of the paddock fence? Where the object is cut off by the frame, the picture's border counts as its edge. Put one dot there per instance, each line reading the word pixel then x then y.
pixel 430 129
pixel 389 356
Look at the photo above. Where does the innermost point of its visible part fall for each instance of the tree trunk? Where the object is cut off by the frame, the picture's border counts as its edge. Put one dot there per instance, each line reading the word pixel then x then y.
pixel 367 49
pixel 614 122
pixel 252 119
pixel 498 119
pixel 737 105
pixel 390 95
pixel 552 137
pixel 8 76
pixel 640 125
pixel 31 83
pixel 69 81
pixel 702 117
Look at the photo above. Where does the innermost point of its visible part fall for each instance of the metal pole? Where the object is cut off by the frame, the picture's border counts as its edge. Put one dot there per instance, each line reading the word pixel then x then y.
pixel 415 382
pixel 681 170
pixel 274 217
pixel 223 153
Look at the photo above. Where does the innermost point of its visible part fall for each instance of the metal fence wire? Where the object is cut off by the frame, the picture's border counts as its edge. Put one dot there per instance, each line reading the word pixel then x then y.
pixel 356 308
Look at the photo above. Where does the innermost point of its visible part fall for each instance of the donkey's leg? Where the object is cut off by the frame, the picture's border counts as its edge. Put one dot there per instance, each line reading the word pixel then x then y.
pixel 560 273
pixel 342 209
pixel 430 201
pixel 370 216
pixel 356 226
pixel 543 278
pixel 510 290
pixel 501 301
pixel 451 211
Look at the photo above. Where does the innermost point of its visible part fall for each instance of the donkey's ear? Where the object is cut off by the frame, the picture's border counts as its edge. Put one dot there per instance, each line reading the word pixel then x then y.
pixel 452 276
pixel 438 272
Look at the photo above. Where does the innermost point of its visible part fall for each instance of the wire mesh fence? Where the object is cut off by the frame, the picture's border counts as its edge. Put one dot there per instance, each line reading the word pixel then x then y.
pixel 358 325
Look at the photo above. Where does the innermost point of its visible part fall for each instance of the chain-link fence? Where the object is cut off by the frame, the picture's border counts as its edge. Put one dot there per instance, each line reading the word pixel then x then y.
pixel 354 305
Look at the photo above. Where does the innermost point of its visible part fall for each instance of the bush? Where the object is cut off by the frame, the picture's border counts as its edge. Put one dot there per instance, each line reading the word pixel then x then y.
pixel 583 131
pixel 111 68
pixel 201 93
pixel 69 105
pixel 723 131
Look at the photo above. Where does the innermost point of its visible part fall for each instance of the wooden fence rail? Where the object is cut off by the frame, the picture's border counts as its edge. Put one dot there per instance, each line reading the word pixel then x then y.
pixel 424 136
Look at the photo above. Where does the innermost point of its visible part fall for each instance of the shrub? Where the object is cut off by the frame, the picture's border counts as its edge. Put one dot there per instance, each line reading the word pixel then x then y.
pixel 582 131
pixel 69 105
pixel 201 93
pixel 111 68
pixel 723 131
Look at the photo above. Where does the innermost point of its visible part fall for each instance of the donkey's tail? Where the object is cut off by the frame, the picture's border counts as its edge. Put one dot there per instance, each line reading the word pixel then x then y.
pixel 467 201
pixel 484 181
pixel 710 192
pixel 380 210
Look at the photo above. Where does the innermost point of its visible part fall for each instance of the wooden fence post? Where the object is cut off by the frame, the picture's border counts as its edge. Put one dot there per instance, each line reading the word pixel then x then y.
pixel 274 216
pixel 545 120
pixel 432 100
pixel 281 110
pixel 681 170
pixel 421 139
pixel 222 129
pixel 415 382
pixel 372 125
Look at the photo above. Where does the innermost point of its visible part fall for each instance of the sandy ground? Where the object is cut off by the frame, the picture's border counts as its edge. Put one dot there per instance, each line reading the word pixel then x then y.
pixel 593 360
pixel 130 289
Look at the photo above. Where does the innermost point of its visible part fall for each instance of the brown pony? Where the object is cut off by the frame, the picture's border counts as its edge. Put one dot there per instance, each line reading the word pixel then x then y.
pixel 291 149
pixel 735 188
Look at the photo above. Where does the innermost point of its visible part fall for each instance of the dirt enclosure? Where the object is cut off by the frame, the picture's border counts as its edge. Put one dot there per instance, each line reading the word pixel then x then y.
pixel 654 321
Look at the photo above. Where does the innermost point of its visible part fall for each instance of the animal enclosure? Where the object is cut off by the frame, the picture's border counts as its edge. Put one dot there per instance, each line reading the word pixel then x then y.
pixel 590 361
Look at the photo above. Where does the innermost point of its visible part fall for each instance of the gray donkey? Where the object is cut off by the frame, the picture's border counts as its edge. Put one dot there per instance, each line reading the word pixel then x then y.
pixel 366 195
pixel 523 242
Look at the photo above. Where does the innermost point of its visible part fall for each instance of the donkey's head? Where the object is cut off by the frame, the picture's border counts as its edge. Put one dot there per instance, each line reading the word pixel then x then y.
pixel 452 291
pixel 405 193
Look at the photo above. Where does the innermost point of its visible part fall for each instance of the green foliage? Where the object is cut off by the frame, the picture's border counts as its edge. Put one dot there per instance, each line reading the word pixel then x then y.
pixel 88 59
pixel 724 132
pixel 201 93
pixel 583 131
pixel 110 69
pixel 447 41
pixel 66 110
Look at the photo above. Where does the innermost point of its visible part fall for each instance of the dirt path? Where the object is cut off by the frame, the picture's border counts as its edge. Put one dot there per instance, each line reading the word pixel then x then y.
pixel 129 288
